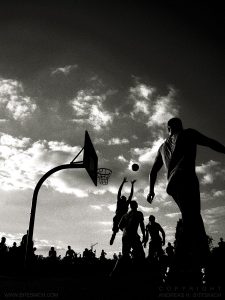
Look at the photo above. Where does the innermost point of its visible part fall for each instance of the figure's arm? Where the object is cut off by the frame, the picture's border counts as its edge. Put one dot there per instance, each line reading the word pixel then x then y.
pixel 208 142
pixel 163 235
pixel 122 223
pixel 153 176
pixel 131 191
pixel 146 236
pixel 142 226
pixel 120 188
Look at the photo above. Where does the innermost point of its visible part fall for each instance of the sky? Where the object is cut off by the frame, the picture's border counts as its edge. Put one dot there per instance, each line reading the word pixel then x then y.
pixel 119 71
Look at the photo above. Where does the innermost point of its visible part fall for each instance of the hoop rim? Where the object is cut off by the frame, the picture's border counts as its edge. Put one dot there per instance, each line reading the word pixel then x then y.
pixel 99 171
pixel 103 175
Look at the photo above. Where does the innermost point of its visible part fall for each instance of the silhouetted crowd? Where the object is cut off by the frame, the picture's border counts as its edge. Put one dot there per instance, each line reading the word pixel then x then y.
pixel 157 264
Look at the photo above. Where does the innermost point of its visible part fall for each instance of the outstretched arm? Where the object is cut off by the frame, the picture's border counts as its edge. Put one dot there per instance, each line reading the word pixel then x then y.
pixel 208 142
pixel 120 188
pixel 163 235
pixel 131 191
pixel 153 176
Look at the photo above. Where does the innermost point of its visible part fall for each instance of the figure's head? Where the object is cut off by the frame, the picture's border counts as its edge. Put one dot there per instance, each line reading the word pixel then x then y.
pixel 152 218
pixel 133 205
pixel 123 198
pixel 52 248
pixel 14 244
pixel 174 125
pixel 3 239
pixel 169 244
pixel 69 247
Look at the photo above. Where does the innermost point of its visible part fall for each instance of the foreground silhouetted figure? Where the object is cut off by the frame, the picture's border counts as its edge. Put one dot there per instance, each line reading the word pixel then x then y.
pixel 129 224
pixel 121 208
pixel 178 154
pixel 155 245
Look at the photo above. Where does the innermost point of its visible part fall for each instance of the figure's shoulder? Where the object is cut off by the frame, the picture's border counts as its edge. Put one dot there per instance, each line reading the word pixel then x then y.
pixel 140 214
pixel 161 147
pixel 157 224
pixel 190 131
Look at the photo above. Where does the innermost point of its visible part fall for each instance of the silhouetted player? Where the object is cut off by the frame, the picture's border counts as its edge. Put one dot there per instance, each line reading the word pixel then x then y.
pixel 178 154
pixel 129 224
pixel 121 208
pixel 155 245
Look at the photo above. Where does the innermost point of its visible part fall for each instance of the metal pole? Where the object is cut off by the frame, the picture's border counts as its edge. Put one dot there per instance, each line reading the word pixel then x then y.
pixel 34 203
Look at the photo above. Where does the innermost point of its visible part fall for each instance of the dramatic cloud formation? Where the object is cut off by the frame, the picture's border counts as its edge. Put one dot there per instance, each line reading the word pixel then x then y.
pixel 211 217
pixel 155 110
pixel 164 109
pixel 13 102
pixel 210 171
pixel 88 107
pixel 23 161
pixel 147 154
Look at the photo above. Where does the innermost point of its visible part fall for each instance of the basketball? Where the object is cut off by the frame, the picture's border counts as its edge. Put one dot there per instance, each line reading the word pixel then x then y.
pixel 135 167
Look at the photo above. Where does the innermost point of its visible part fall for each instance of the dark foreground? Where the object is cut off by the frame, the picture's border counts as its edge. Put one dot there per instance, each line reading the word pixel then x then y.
pixel 92 281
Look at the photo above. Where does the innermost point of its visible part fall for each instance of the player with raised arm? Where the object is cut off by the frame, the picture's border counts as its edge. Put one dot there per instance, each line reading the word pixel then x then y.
pixel 121 207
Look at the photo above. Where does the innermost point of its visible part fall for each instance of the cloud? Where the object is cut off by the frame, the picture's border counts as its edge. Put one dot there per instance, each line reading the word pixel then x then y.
pixel 2 121
pixel 212 215
pixel 96 207
pixel 64 70
pixel 24 161
pixel 99 141
pixel 153 109
pixel 219 193
pixel 12 237
pixel 43 245
pixel 88 108
pixel 210 171
pixel 209 195
pixel 99 192
pixel 141 91
pixel 170 233
pixel 118 141
pixel 161 195
pixel 14 103
pixel 148 209
pixel 147 154
pixel 122 158
pixel 163 109
pixel 215 211
pixel 111 207
pixel 61 186
pixel 173 215
pixel 113 189
pixel 105 223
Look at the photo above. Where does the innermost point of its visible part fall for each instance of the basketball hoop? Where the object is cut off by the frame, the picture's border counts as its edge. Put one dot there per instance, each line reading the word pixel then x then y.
pixel 103 175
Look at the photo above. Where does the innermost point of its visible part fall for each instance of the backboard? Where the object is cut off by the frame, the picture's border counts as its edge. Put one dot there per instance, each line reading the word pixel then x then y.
pixel 90 158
